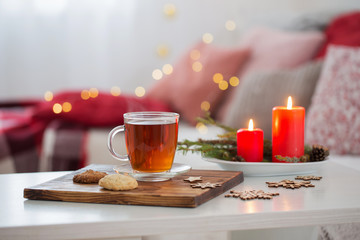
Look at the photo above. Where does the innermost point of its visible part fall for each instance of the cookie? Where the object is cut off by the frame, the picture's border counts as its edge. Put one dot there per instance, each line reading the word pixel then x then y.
pixel 89 176
pixel 118 182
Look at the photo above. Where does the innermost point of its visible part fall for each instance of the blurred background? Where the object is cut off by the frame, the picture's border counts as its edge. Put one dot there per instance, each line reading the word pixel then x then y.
pixel 123 45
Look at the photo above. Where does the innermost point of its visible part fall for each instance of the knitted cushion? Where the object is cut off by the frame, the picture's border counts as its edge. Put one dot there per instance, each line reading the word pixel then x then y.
pixel 333 119
pixel 259 92
pixel 273 49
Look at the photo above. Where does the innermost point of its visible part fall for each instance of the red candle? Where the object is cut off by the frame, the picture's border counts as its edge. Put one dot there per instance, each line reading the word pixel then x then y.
pixel 288 131
pixel 250 143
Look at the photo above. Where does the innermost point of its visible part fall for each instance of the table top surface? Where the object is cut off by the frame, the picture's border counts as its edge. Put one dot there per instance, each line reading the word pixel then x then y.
pixel 334 199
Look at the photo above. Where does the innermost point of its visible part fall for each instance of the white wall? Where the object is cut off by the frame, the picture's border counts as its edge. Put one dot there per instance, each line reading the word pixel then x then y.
pixel 61 44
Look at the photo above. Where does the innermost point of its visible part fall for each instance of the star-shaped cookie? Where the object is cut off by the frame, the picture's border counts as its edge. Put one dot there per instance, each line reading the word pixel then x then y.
pixel 205 185
pixel 193 179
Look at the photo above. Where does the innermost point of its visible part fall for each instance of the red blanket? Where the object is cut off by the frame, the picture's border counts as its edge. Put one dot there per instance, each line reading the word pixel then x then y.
pixel 22 125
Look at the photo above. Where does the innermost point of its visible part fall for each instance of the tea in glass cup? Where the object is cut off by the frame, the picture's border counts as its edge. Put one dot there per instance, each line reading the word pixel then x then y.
pixel 151 140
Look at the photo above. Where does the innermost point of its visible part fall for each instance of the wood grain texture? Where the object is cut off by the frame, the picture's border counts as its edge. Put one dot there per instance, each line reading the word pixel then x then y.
pixel 172 193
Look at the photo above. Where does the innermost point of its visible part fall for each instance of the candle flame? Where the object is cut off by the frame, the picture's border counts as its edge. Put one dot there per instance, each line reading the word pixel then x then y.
pixel 251 125
pixel 289 103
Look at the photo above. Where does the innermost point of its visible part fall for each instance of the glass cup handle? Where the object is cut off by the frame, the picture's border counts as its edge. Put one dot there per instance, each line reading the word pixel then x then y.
pixel 113 132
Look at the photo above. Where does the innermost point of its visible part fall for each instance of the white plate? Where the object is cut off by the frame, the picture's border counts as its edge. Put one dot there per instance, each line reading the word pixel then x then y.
pixel 268 168
pixel 177 169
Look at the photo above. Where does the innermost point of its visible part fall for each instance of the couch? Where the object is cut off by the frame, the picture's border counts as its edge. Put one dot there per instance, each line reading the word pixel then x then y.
pixel 313 61
pixel 233 83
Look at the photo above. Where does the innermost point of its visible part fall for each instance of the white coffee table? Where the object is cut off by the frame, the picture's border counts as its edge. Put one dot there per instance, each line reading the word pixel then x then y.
pixel 335 199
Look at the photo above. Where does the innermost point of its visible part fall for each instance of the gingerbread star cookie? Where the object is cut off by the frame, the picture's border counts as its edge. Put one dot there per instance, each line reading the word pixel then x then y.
pixel 290 184
pixel 308 178
pixel 251 194
pixel 205 185
pixel 193 179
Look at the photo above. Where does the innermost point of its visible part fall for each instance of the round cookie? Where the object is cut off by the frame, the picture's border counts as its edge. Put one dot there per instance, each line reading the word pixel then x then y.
pixel 118 182
pixel 89 176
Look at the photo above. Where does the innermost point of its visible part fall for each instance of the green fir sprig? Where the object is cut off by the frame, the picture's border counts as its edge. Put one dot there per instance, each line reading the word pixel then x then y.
pixel 225 148
pixel 230 133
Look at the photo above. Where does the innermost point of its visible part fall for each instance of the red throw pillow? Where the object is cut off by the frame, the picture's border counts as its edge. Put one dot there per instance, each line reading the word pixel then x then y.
pixel 185 89
pixel 343 30
pixel 103 110
pixel 333 118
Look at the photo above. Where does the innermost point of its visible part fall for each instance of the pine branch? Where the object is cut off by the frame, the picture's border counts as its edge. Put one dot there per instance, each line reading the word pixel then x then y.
pixel 225 147
pixel 219 148
pixel 208 120
pixel 219 141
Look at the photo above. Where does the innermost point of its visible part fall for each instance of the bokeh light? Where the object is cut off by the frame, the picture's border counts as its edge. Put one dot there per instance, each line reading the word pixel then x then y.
pixel 201 128
pixel 207 38
pixel 197 66
pixel 195 54
pixel 218 77
pixel 169 10
pixel 57 108
pixel 140 91
pixel 66 107
pixel 115 91
pixel 162 50
pixel 48 96
pixel 93 92
pixel 234 81
pixel 157 74
pixel 230 25
pixel 85 94
pixel 223 85
pixel 167 69
pixel 205 106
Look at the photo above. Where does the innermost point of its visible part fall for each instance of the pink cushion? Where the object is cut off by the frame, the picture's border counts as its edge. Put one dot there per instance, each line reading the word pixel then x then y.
pixel 275 50
pixel 184 90
pixel 333 117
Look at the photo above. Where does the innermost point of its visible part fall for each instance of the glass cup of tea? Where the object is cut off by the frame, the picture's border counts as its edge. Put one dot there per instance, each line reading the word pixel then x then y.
pixel 151 141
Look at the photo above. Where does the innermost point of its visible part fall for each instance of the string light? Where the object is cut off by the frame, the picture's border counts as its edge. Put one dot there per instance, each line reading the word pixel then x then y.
pixel 115 91
pixel 167 69
pixel 162 50
pixel 57 108
pixel 140 91
pixel 85 94
pixel 66 107
pixel 48 96
pixel 207 38
pixel 195 54
pixel 197 66
pixel 157 74
pixel 218 77
pixel 230 25
pixel 169 10
pixel 93 92
pixel 205 106
pixel 223 85
pixel 202 128
pixel 234 81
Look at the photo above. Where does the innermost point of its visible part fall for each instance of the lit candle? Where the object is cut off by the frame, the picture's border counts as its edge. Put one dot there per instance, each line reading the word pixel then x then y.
pixel 288 131
pixel 250 143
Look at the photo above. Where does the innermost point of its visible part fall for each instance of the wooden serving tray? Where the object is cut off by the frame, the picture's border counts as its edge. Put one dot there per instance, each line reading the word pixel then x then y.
pixel 172 193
